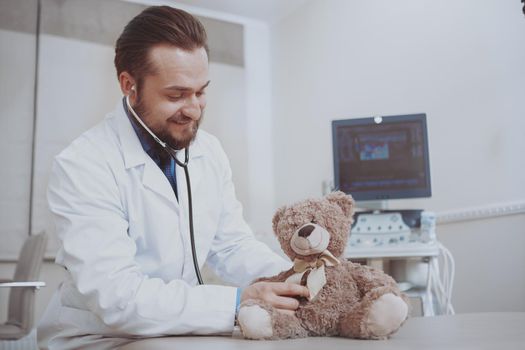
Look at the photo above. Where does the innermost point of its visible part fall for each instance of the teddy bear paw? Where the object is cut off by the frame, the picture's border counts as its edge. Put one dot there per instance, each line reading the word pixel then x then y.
pixel 386 315
pixel 255 322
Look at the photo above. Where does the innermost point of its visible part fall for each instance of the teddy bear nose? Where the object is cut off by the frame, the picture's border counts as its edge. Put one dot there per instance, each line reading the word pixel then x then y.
pixel 306 231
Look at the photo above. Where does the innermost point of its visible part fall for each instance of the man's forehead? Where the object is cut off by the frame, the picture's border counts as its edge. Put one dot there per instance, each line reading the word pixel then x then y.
pixel 174 66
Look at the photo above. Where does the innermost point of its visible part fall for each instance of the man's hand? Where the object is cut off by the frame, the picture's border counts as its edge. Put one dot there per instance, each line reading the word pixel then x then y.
pixel 278 294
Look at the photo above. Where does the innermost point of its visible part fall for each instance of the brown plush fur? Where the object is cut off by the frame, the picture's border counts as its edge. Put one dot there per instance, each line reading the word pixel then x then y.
pixel 341 307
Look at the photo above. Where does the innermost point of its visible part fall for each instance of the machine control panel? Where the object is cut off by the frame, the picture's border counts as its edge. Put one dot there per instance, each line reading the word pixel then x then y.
pixel 383 227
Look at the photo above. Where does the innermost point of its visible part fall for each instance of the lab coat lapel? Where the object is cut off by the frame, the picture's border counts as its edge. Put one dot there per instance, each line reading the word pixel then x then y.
pixel 155 180
pixel 134 155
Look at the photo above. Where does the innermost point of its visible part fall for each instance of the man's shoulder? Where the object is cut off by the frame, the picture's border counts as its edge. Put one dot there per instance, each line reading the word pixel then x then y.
pixel 206 139
pixel 97 144
pixel 208 144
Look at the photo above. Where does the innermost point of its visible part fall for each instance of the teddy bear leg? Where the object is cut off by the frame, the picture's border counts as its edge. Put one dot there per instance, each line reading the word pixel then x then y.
pixel 288 326
pixel 380 314
pixel 258 320
pixel 386 315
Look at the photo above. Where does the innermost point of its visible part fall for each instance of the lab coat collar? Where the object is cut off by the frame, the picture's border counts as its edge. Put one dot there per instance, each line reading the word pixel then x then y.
pixel 132 150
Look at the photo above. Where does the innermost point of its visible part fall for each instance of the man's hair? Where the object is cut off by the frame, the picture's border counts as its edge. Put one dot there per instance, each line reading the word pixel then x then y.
pixel 156 25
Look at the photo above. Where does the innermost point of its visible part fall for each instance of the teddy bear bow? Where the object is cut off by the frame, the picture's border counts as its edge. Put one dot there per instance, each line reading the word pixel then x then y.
pixel 313 271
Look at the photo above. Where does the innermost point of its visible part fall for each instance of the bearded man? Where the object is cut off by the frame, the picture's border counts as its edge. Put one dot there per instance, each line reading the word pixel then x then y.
pixel 122 211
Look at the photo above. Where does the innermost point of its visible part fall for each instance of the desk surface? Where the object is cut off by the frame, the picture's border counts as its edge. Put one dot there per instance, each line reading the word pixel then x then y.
pixel 462 331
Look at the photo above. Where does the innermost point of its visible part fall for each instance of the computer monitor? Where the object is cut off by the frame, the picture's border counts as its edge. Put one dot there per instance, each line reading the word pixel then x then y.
pixel 381 158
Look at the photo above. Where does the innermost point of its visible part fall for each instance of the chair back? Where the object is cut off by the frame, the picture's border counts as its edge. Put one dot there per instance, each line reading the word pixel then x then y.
pixel 22 300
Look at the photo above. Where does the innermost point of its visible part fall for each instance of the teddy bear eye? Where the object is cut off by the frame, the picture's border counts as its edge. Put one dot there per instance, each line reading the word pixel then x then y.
pixel 313 221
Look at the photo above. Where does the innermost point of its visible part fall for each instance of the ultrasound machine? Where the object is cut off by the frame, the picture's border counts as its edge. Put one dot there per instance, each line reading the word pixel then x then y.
pixel 383 158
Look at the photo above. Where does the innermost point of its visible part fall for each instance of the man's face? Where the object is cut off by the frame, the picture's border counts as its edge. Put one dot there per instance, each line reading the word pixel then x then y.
pixel 171 101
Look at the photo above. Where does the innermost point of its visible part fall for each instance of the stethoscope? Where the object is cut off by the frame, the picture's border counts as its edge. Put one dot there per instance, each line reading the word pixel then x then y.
pixel 184 165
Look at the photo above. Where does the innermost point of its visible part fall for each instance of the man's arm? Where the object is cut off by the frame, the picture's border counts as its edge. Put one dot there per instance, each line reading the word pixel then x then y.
pixel 98 253
pixel 238 257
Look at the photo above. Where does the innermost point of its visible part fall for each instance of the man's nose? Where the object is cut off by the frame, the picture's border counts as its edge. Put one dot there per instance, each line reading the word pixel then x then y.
pixel 192 107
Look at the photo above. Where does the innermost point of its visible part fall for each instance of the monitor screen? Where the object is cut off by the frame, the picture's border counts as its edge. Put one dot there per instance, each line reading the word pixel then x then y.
pixel 381 158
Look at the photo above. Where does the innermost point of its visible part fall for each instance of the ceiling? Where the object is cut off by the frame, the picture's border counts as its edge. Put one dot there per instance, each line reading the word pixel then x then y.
pixel 265 10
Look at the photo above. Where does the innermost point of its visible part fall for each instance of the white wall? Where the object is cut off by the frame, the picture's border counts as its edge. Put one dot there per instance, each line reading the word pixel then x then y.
pixel 75 91
pixel 462 63
pixel 225 117
pixel 490 263
pixel 259 123
pixel 17 72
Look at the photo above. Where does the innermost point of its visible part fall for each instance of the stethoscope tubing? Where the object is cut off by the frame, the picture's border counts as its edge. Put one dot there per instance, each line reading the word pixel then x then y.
pixel 183 165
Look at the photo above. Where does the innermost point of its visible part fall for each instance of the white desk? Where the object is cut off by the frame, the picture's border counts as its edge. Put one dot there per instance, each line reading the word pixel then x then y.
pixel 463 331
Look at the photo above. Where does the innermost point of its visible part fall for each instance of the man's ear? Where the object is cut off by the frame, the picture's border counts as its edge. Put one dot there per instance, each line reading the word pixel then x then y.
pixel 345 201
pixel 277 217
pixel 127 85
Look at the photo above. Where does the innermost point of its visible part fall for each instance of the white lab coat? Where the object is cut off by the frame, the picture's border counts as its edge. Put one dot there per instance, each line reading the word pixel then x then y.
pixel 126 244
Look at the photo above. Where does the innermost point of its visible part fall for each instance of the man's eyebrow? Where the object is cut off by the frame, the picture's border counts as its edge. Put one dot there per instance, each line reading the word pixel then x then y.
pixel 185 88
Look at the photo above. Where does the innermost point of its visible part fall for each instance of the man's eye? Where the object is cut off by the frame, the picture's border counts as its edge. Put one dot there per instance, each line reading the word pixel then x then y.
pixel 175 97
pixel 200 93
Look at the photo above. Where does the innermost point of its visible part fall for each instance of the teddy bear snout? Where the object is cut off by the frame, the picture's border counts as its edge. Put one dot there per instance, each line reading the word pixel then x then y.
pixel 310 239
pixel 305 231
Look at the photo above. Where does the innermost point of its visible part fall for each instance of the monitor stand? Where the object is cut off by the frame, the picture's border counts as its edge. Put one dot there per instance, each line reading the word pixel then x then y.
pixel 372 205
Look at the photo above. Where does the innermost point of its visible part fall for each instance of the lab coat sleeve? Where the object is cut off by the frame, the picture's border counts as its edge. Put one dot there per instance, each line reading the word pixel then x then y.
pixel 236 255
pixel 98 253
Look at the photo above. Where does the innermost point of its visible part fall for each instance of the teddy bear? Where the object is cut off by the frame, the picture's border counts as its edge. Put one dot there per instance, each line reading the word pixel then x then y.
pixel 346 299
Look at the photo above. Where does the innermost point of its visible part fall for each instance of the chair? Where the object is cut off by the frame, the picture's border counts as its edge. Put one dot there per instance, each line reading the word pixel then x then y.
pixel 22 294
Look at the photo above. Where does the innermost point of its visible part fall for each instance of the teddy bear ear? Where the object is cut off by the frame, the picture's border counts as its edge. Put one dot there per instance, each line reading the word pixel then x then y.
pixel 277 217
pixel 345 201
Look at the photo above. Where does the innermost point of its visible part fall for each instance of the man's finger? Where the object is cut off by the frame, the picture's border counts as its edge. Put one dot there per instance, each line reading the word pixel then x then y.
pixel 290 289
pixel 284 303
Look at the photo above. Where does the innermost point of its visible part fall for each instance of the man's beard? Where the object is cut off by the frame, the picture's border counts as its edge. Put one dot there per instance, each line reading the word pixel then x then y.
pixel 162 132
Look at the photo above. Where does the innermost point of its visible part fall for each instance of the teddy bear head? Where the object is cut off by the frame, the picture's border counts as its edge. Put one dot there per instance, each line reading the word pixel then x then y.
pixel 306 229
